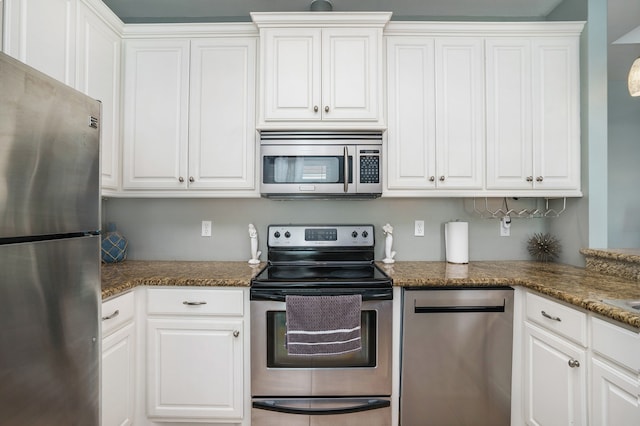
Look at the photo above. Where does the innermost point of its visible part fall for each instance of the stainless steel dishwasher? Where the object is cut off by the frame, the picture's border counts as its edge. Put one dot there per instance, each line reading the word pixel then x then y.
pixel 456 356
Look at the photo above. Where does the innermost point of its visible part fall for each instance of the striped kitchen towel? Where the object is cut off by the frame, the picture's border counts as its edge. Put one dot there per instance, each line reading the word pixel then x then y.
pixel 323 325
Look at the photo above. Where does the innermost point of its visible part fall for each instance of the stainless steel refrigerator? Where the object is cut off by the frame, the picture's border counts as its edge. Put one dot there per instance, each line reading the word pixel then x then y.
pixel 49 251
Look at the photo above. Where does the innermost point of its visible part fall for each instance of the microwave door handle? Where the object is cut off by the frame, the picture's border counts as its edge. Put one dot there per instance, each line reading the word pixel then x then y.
pixel 358 406
pixel 346 169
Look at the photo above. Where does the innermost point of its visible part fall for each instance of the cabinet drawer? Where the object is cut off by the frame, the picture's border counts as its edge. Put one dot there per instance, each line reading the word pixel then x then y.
pixel 563 320
pixel 182 301
pixel 117 312
pixel 617 343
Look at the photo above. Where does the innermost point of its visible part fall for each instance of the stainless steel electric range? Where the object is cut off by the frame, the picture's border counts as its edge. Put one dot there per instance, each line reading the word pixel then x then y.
pixel 351 388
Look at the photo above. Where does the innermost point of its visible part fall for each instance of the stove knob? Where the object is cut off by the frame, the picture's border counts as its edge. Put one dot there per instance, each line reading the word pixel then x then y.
pixel 354 234
pixel 365 234
pixel 287 234
pixel 277 234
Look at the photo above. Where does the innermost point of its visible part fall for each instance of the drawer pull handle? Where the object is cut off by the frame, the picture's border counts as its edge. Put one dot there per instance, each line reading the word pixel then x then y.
pixel 546 315
pixel 236 333
pixel 186 302
pixel 573 363
pixel 113 315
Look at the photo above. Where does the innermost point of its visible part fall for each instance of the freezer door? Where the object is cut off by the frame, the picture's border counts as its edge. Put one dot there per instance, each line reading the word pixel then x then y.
pixel 49 346
pixel 49 155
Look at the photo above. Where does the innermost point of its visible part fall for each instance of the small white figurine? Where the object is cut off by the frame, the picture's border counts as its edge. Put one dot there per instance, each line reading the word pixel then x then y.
pixel 255 254
pixel 388 254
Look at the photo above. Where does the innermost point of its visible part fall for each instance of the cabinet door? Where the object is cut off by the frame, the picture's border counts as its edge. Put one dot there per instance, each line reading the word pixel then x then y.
pixel 221 114
pixel 411 138
pixel 291 64
pixel 460 112
pixel 556 121
pixel 41 33
pixel 98 75
pixel 118 366
pixel 615 396
pixel 194 368
pixel 156 97
pixel 509 127
pixel 351 74
pixel 554 392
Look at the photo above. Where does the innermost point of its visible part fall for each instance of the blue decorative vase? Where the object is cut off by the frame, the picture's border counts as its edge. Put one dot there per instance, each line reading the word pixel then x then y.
pixel 114 245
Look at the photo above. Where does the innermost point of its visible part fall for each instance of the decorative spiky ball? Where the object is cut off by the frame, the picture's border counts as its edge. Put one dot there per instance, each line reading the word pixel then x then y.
pixel 544 247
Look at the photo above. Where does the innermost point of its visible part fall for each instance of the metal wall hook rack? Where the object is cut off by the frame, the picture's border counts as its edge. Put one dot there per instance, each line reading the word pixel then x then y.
pixel 539 208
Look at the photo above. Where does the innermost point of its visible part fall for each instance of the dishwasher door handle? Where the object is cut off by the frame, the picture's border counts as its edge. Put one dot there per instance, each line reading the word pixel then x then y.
pixel 458 309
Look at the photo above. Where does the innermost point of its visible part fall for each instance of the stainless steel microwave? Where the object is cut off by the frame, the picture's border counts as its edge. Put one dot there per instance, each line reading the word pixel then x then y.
pixel 321 164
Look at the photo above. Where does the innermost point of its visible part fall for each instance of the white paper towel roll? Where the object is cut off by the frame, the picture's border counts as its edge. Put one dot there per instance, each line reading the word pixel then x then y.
pixel 456 241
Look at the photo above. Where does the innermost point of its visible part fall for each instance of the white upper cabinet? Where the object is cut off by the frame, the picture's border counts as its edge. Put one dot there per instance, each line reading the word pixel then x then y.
pixel 321 70
pixel 98 75
pixel 435 138
pixel 459 112
pixel 222 130
pixel 483 109
pixel 189 115
pixel 533 120
pixel 40 33
pixel 156 101
pixel 411 138
pixel 77 42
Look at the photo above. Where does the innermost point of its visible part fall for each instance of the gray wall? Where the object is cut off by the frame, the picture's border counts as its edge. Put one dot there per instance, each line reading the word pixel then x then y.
pixel 624 167
pixel 169 229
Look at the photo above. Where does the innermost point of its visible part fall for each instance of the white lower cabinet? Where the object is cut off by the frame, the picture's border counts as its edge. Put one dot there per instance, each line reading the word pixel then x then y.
pixel 555 363
pixel 615 397
pixel 195 355
pixel 118 361
pixel 555 390
pixel 615 370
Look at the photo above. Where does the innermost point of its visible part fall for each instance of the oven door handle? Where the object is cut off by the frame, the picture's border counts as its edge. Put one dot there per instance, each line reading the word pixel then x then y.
pixel 280 295
pixel 281 407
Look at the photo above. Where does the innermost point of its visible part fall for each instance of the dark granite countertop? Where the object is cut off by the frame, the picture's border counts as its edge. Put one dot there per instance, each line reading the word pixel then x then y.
pixel 120 277
pixel 580 287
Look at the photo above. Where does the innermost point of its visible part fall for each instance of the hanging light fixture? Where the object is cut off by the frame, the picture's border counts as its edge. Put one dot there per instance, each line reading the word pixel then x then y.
pixel 634 78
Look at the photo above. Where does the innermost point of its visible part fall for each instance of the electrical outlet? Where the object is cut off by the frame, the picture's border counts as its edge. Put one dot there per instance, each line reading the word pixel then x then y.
pixel 505 226
pixel 419 228
pixel 206 228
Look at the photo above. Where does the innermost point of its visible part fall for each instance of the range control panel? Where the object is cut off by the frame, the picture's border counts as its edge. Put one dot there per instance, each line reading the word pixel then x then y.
pixel 321 236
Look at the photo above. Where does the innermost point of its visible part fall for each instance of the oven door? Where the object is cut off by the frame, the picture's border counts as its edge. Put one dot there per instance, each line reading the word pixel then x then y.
pixel 366 372
pixel 307 169
pixel 322 412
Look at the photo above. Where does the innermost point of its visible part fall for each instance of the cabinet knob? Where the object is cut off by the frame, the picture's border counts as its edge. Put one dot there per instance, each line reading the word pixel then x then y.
pixel 236 333
pixel 539 179
pixel 441 178
pixel 529 178
pixel 432 178
pixel 191 179
pixel 315 108
pixel 573 363
pixel 326 109
pixel 180 179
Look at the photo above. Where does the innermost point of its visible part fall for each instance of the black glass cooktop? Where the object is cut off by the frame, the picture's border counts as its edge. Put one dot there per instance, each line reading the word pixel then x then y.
pixel 346 274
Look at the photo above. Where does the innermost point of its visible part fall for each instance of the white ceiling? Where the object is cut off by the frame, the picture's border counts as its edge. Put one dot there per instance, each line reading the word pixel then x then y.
pixel 238 10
